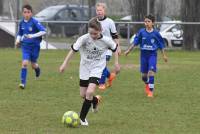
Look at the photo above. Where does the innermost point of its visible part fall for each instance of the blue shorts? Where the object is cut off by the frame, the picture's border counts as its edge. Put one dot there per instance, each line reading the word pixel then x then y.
pixel 30 52
pixel 108 57
pixel 148 61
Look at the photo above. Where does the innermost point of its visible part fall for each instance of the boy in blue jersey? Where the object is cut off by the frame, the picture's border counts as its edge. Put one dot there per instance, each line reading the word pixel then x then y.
pixel 29 36
pixel 150 41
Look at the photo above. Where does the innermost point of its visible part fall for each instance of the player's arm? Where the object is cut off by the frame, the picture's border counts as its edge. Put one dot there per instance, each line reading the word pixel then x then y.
pixel 162 47
pixel 129 50
pixel 115 36
pixel 66 61
pixel 40 28
pixel 74 48
pixel 19 36
pixel 114 47
pixel 136 41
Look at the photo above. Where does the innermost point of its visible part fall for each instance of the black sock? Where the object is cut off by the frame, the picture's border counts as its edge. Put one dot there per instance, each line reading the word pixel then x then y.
pixel 85 108
pixel 94 102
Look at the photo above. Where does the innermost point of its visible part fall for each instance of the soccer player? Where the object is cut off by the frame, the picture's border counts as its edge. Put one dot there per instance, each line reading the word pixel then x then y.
pixel 109 30
pixel 29 36
pixel 92 47
pixel 149 40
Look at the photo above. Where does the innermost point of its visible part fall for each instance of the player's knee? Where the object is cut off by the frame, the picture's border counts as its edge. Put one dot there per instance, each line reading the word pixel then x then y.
pixel 151 73
pixel 89 95
pixel 82 95
pixel 34 65
pixel 144 78
pixel 24 64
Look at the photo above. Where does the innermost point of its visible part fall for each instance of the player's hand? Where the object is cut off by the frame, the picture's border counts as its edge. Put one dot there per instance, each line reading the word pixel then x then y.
pixel 126 52
pixel 117 68
pixel 62 68
pixel 165 58
pixel 17 43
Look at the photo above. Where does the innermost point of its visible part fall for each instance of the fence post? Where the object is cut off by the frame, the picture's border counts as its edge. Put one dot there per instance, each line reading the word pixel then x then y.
pixel 47 36
pixel 128 33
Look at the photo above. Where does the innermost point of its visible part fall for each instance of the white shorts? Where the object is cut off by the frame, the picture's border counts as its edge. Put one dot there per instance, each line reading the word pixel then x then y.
pixel 87 71
pixel 109 52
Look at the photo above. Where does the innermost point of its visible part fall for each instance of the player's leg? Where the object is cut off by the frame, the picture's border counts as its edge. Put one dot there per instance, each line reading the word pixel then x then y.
pixel 34 57
pixel 111 76
pixel 151 73
pixel 144 71
pixel 89 99
pixel 105 74
pixel 25 61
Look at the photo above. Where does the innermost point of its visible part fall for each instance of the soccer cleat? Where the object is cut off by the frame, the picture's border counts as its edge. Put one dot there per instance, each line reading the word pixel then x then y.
pixel 150 94
pixel 102 87
pixel 37 73
pixel 95 108
pixel 84 123
pixel 21 86
pixel 110 79
pixel 147 90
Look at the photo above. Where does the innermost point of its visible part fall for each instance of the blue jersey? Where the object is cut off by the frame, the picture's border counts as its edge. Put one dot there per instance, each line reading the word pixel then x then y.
pixel 150 41
pixel 30 27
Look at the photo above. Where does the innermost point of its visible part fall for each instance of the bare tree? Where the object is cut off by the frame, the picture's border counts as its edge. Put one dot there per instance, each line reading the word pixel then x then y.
pixel 138 9
pixel 190 13
pixel 1 7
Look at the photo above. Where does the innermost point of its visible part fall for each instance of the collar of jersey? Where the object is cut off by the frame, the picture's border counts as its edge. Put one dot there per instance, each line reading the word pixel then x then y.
pixel 101 36
pixel 103 18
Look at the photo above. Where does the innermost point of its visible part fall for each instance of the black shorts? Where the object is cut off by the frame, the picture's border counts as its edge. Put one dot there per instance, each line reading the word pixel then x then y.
pixel 85 83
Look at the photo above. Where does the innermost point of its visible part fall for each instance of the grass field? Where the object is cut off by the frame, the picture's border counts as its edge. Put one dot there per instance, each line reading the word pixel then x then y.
pixel 125 109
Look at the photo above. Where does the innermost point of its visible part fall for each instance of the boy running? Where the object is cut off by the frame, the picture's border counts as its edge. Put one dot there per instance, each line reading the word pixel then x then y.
pixel 92 47
pixel 29 36
pixel 109 30
pixel 149 40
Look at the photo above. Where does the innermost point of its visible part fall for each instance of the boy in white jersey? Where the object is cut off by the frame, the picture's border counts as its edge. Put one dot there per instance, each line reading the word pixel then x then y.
pixel 109 30
pixel 92 47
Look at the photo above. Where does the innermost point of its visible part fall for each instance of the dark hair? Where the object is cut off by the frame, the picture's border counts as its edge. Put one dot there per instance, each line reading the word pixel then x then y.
pixel 95 24
pixel 27 6
pixel 151 17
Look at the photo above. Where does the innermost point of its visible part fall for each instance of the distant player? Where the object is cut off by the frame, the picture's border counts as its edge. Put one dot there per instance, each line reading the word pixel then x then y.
pixel 29 36
pixel 109 30
pixel 150 41
pixel 92 47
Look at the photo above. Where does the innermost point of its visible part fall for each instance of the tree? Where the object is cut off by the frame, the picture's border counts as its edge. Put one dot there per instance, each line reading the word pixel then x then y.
pixel 91 5
pixel 1 7
pixel 138 9
pixel 190 13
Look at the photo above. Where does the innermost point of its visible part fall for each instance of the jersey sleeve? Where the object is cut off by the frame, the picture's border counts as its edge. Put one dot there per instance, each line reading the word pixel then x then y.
pixel 113 30
pixel 160 41
pixel 138 38
pixel 39 26
pixel 112 45
pixel 76 46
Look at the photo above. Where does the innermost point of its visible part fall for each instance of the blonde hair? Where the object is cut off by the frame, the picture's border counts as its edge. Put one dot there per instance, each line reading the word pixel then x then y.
pixel 101 4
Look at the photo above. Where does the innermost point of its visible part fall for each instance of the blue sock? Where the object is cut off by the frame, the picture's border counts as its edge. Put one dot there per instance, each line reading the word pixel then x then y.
pixel 103 76
pixel 107 72
pixel 23 75
pixel 37 72
pixel 151 83
pixel 144 79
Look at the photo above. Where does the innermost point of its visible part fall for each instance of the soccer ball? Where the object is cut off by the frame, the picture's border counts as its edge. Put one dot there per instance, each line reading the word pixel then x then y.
pixel 71 119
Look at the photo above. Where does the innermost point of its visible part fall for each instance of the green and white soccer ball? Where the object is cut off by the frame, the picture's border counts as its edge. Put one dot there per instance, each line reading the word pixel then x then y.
pixel 71 119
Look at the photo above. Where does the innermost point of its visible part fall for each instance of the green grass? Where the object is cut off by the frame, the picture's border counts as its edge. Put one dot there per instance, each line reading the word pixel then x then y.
pixel 125 109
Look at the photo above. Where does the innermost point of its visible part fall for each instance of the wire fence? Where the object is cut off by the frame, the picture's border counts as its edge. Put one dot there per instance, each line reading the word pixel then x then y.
pixel 61 34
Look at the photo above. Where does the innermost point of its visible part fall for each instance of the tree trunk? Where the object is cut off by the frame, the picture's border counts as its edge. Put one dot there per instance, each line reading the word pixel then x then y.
pixel 138 9
pixel 91 4
pixel 1 7
pixel 190 13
